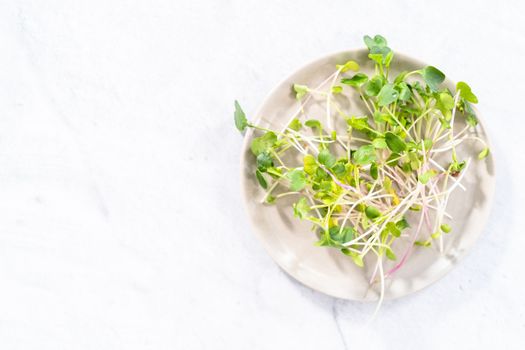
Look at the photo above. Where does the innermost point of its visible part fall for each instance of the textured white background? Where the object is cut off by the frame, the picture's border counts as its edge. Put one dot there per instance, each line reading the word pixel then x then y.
pixel 121 222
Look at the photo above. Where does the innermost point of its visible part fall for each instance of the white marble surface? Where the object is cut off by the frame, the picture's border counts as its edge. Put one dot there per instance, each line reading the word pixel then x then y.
pixel 121 223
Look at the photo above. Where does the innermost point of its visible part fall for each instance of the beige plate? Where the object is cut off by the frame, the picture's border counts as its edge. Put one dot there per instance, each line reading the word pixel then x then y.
pixel 291 243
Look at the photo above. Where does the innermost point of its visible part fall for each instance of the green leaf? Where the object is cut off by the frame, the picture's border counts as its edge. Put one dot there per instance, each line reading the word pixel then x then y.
pixel 326 186
pixel 445 103
pixel 374 85
pixel 240 118
pixel 413 146
pixel 300 91
pixel 309 164
pixel 423 243
pixel 387 184
pixel 415 164
pixel 472 120
pixel 404 91
pixel 341 235
pixel 356 258
pixel 301 208
pixel 339 169
pixel 374 170
pixel 313 123
pixel 261 179
pixel 274 172
pixel 336 89
pixel 377 41
pixel 425 177
pixel 402 224
pixel 470 114
pixel 357 80
pixel 484 153
pixel 364 155
pixel 393 229
pixel 379 143
pixel 326 158
pixel 347 234
pixel 387 95
pixel 465 92
pixel 377 57
pixel 358 123
pixel 379 51
pixel 388 58
pixel 325 241
pixel 380 117
pixel 400 78
pixel 444 123
pixel 446 100
pixel 295 125
pixel 420 89
pixel 395 143
pixel 432 76
pixel 390 254
pixel 415 207
pixel 456 167
pixel 297 179
pixel 264 161
pixel 320 174
pixel 445 228
pixel 263 143
pixel 349 65
pixel 372 212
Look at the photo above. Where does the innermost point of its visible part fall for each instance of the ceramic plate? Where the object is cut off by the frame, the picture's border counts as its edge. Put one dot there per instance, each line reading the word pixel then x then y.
pixel 290 241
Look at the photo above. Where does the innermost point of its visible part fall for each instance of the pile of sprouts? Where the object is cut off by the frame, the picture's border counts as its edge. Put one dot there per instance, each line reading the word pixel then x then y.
pixel 358 185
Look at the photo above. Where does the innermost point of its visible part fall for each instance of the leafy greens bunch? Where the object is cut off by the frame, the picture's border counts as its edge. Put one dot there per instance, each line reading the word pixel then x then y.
pixel 363 187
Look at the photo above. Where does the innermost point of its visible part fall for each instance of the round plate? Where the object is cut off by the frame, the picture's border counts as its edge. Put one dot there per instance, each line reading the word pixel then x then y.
pixel 290 241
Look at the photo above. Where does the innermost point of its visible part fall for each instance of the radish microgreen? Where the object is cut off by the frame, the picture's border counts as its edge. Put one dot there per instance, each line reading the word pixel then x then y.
pixel 387 176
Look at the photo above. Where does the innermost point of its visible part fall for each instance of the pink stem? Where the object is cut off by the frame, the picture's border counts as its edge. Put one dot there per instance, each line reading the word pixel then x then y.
pixel 409 250
pixel 427 218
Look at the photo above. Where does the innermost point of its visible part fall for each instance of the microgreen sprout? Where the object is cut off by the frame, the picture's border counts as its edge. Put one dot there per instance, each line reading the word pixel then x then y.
pixel 388 176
